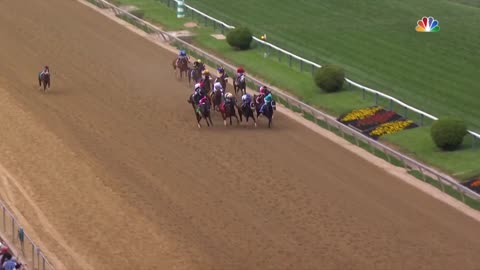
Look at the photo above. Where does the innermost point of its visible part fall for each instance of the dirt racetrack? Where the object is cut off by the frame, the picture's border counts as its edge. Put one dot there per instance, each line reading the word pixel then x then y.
pixel 109 171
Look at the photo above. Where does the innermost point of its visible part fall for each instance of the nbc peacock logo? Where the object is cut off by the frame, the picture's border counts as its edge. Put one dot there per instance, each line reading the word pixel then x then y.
pixel 429 25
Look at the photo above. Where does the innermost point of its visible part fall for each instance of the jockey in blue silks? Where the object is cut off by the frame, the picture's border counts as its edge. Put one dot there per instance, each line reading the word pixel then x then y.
pixel 182 55
pixel 246 99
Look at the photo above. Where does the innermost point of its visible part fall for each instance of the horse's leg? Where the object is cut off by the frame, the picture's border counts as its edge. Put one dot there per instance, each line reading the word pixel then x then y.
pixel 199 118
pixel 224 116
pixel 241 115
pixel 210 118
pixel 206 120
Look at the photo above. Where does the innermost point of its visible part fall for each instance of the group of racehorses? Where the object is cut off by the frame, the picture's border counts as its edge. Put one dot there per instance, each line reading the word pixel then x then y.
pixel 228 107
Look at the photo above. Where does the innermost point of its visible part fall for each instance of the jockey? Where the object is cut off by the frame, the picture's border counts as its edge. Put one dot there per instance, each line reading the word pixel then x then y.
pixel 240 72
pixel 182 55
pixel 206 74
pixel 221 72
pixel 264 91
pixel 217 87
pixel 246 99
pixel 266 100
pixel 203 101
pixel 198 64
pixel 45 70
pixel 198 88
pixel 229 98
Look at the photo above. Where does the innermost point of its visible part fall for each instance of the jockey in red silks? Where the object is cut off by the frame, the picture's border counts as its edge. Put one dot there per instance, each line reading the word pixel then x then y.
pixel 240 72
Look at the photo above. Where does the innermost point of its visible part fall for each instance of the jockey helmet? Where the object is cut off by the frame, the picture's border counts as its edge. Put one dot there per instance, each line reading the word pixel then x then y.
pixel 220 70
pixel 229 95
pixel 183 53
pixel 199 60
pixel 206 72
pixel 197 86
pixel 240 70
pixel 263 90
pixel 217 86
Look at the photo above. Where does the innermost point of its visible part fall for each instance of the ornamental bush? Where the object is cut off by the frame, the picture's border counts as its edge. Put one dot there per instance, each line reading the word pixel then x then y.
pixel 330 78
pixel 240 38
pixel 448 133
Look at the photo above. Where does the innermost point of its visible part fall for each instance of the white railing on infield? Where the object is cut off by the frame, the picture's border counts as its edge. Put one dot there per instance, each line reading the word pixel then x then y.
pixel 475 136
pixel 447 183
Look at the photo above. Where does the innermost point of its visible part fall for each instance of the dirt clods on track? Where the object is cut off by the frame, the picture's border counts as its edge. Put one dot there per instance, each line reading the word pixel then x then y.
pixel 108 169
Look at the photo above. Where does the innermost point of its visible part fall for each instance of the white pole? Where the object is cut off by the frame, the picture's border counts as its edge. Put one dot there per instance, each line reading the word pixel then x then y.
pixel 180 9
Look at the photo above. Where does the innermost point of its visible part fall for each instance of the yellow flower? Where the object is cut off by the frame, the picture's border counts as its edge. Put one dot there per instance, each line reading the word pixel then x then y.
pixel 360 114
pixel 390 127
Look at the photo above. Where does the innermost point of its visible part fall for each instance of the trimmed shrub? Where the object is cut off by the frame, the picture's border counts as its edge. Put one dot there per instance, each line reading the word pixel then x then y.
pixel 240 38
pixel 448 133
pixel 138 13
pixel 330 78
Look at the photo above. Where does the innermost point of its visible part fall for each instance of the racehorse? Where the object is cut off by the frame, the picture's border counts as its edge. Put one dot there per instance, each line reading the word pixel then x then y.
pixel 207 83
pixel 195 74
pixel 44 78
pixel 216 97
pixel 182 65
pixel 228 110
pixel 267 110
pixel 201 111
pixel 239 84
pixel 247 111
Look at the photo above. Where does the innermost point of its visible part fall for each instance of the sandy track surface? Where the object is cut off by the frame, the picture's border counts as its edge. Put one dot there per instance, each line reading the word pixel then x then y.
pixel 109 169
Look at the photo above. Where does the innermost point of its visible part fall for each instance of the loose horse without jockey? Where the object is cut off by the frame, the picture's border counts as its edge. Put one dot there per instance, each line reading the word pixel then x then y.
pixel 181 62
pixel 44 77
pixel 240 84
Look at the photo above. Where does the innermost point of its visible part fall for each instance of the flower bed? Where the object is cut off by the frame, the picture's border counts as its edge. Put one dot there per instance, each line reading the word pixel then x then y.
pixel 378 118
pixel 356 115
pixel 391 127
pixel 376 121
pixel 473 184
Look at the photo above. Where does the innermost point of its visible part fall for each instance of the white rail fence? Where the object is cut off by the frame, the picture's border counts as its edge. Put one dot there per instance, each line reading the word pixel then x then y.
pixel 304 63
pixel 423 172
pixel 26 250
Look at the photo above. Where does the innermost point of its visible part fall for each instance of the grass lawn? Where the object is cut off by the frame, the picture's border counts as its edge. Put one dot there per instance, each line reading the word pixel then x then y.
pixel 416 142
pixel 462 164
pixel 377 44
